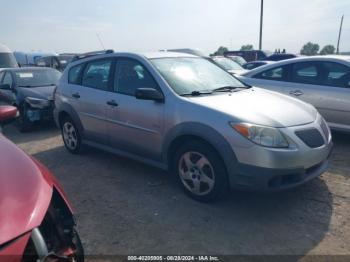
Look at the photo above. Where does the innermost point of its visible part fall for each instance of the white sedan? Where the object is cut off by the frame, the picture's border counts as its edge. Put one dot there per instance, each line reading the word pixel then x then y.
pixel 323 81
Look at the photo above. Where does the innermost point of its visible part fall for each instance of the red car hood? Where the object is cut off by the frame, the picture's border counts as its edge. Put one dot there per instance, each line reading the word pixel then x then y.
pixel 25 192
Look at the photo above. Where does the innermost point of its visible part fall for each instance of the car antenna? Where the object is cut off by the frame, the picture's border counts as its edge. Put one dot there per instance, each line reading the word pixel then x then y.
pixel 99 39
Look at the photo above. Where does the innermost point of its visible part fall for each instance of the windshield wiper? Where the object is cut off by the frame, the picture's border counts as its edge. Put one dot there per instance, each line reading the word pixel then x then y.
pixel 28 86
pixel 225 89
pixel 197 93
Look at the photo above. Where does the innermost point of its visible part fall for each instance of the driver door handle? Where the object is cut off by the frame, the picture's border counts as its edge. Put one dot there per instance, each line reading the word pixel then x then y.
pixel 112 103
pixel 296 93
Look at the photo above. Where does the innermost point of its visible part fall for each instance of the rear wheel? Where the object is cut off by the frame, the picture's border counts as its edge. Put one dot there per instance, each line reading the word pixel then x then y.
pixel 71 136
pixel 201 171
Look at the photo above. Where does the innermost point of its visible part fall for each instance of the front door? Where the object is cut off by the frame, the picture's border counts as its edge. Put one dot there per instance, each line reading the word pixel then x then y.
pixel 134 125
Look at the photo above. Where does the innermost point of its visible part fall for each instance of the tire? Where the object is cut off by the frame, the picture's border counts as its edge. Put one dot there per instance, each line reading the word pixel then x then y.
pixel 71 136
pixel 79 250
pixel 201 171
pixel 23 123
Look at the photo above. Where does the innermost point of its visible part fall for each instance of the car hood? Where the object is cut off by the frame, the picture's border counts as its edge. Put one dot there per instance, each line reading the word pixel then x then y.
pixel 43 92
pixel 25 193
pixel 261 107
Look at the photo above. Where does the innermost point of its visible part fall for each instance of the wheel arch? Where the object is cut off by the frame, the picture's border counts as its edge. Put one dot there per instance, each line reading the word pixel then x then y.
pixel 67 111
pixel 206 134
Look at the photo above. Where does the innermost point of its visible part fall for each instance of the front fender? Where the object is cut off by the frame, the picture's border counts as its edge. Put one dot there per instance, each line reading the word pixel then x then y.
pixel 207 133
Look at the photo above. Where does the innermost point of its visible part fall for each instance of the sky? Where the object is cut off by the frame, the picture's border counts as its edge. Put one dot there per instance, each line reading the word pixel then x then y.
pixel 147 25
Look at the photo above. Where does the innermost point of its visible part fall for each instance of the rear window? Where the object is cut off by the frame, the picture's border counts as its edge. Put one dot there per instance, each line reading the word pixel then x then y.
pixel 7 60
pixel 74 74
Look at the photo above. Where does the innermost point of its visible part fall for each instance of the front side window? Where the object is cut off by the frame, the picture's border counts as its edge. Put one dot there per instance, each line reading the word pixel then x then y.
pixel 305 73
pixel 277 74
pixel 188 74
pixel 131 75
pixel 35 78
pixel 337 75
pixel 74 74
pixel 8 79
pixel 96 74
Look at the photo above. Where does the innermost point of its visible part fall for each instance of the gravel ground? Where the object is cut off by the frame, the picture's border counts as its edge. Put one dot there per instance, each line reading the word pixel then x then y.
pixel 124 207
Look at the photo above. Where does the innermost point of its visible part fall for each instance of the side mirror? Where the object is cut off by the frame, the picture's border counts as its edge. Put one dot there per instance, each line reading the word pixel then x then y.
pixel 7 114
pixel 5 87
pixel 146 93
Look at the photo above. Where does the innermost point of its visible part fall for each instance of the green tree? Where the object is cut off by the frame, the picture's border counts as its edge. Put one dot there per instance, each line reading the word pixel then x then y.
pixel 221 50
pixel 247 47
pixel 327 50
pixel 310 49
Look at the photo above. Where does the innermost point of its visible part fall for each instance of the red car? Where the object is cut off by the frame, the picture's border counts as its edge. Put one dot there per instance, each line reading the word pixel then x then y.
pixel 36 219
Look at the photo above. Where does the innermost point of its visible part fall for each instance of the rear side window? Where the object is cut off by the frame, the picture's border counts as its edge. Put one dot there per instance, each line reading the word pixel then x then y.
pixel 337 75
pixel 96 74
pixel 277 74
pixel 305 73
pixel 74 74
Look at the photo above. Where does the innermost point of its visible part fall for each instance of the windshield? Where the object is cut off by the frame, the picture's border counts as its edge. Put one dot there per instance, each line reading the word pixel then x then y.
pixel 7 60
pixel 187 74
pixel 35 78
pixel 228 64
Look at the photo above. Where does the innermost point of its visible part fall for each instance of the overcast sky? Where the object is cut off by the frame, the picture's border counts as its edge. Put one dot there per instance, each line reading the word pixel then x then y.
pixel 143 25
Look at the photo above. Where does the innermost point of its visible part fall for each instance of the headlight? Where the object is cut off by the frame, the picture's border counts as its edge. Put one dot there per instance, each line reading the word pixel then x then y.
pixel 261 135
pixel 37 102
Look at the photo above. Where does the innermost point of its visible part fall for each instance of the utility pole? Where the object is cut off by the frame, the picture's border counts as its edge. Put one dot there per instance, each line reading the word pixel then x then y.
pixel 261 23
pixel 340 29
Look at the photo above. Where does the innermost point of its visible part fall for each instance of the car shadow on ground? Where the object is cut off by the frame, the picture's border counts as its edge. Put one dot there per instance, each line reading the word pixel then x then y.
pixel 39 131
pixel 125 207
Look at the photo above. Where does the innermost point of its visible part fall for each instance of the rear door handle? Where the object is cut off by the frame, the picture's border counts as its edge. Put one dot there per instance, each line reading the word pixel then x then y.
pixel 112 103
pixel 76 95
pixel 296 93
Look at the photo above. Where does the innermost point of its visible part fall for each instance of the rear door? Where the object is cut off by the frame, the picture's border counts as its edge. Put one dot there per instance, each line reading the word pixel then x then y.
pixel 335 90
pixel 89 98
pixel 326 86
pixel 134 125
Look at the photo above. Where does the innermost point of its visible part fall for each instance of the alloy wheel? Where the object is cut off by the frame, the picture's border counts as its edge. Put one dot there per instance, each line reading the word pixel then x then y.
pixel 196 173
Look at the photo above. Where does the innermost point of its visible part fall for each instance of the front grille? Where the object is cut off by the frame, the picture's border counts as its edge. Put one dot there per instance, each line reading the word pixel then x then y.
pixel 325 129
pixel 311 137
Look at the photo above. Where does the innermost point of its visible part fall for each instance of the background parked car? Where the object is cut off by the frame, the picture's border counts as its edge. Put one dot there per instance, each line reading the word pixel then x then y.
pixel 238 59
pixel 57 62
pixel 30 89
pixel 36 222
pixel 279 57
pixel 229 65
pixel 7 59
pixel 256 64
pixel 251 55
pixel 323 81
pixel 183 113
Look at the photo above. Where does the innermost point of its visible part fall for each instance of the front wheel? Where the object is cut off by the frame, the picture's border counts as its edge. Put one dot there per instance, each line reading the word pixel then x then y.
pixel 23 123
pixel 71 136
pixel 201 171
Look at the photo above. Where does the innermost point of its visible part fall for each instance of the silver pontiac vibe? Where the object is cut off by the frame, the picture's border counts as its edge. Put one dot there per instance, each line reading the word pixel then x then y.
pixel 183 113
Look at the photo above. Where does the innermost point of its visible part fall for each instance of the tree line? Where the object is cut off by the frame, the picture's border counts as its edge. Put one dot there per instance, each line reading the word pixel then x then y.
pixel 308 49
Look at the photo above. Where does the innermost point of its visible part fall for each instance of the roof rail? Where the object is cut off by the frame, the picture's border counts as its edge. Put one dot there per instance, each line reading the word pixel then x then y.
pixel 94 53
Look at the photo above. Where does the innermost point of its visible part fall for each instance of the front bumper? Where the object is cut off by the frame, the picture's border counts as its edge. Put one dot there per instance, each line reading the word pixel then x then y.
pixel 34 114
pixel 269 179
pixel 262 168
